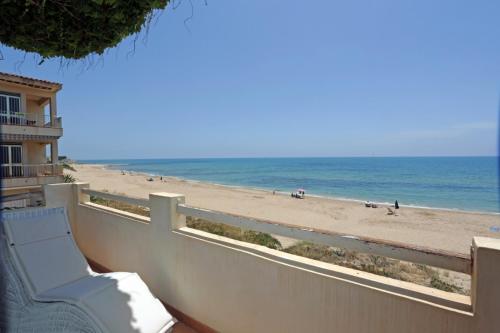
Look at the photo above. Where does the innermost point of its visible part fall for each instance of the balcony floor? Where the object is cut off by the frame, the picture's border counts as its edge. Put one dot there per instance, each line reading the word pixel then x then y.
pixel 182 328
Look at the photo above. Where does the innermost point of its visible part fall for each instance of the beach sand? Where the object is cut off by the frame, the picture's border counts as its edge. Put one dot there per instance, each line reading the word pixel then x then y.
pixel 434 228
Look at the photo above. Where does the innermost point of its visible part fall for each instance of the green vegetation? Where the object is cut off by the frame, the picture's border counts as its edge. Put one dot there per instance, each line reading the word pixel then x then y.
pixel 68 166
pixel 139 210
pixel 213 228
pixel 392 268
pixel 437 283
pixel 234 233
pixel 69 178
pixel 73 29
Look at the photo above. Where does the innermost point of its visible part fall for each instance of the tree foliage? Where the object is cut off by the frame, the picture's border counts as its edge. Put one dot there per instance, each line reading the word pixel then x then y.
pixel 72 29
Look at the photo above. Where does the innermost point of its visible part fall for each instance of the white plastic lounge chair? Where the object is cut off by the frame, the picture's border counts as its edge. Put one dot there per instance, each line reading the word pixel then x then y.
pixel 53 269
pixel 19 313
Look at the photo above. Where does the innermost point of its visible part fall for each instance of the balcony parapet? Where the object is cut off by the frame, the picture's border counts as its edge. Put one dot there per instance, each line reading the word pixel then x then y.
pixel 30 119
pixel 31 127
pixel 234 286
pixel 30 170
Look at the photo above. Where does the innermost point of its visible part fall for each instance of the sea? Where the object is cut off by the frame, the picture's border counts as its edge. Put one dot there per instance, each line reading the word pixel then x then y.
pixel 458 183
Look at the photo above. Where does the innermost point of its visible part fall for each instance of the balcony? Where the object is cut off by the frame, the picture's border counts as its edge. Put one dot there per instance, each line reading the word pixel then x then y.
pixel 30 126
pixel 30 170
pixel 232 286
pixel 19 175
pixel 30 119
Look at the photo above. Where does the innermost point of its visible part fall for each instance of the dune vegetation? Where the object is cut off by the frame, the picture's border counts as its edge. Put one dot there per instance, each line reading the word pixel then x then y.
pixel 392 268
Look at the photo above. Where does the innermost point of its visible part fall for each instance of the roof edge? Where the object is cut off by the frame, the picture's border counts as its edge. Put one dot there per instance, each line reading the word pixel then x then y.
pixel 30 82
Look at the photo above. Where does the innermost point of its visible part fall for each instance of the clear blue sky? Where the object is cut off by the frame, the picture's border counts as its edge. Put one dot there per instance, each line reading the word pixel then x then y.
pixel 289 78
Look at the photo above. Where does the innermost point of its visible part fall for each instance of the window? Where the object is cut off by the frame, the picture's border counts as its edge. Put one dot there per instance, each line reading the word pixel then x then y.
pixel 10 109
pixel 11 160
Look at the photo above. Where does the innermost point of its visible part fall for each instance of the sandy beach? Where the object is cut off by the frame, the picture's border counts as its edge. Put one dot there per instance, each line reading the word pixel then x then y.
pixel 439 229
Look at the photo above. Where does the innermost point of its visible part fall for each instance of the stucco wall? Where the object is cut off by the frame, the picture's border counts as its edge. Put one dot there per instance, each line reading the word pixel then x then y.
pixel 29 97
pixel 236 287
pixel 33 108
pixel 33 104
pixel 34 153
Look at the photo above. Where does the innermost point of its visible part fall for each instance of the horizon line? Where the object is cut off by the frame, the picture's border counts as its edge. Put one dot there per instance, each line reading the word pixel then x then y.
pixel 278 157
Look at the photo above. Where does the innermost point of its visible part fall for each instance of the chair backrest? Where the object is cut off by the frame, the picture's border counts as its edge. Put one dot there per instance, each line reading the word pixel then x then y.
pixel 43 248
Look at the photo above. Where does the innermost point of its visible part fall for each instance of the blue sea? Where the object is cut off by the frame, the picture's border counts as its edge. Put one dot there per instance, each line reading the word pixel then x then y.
pixel 463 183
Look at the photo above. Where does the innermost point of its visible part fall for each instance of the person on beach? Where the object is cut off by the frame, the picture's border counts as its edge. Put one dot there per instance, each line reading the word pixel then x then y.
pixel 396 205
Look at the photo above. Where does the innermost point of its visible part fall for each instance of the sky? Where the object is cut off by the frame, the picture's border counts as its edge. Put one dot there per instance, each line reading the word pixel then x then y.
pixel 287 78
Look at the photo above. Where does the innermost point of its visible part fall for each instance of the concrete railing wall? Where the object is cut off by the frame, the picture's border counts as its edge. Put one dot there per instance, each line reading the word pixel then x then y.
pixel 419 255
pixel 238 287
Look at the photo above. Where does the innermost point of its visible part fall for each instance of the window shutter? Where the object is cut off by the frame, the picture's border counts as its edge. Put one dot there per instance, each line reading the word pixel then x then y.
pixel 3 104
pixel 14 105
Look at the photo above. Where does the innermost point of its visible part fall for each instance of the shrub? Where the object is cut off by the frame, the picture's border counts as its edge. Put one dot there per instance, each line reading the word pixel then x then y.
pixel 261 238
pixel 139 210
pixel 68 166
pixel 200 224
pixel 392 268
pixel 248 236
pixel 437 283
pixel 69 178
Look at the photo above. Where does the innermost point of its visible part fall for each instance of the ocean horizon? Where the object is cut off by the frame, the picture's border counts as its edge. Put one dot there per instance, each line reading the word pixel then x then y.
pixel 459 183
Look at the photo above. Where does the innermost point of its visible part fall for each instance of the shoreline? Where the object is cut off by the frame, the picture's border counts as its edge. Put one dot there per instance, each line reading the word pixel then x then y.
pixel 320 196
pixel 449 230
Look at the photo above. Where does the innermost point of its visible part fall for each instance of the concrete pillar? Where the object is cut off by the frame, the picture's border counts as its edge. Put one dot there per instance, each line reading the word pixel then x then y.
pixel 69 196
pixel 25 152
pixel 61 195
pixel 24 104
pixel 163 244
pixel 54 152
pixel 485 289
pixel 58 195
pixel 164 216
pixel 77 198
pixel 53 110
pixel 77 191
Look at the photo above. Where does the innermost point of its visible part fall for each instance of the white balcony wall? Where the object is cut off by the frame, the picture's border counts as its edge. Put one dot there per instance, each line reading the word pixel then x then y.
pixel 237 287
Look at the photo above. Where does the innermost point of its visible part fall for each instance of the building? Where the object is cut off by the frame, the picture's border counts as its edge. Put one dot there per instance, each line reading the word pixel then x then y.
pixel 30 130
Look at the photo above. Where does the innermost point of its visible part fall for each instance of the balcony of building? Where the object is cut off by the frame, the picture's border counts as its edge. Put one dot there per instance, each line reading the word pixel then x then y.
pixel 31 119
pixel 30 126
pixel 220 284
pixel 26 175
pixel 27 113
